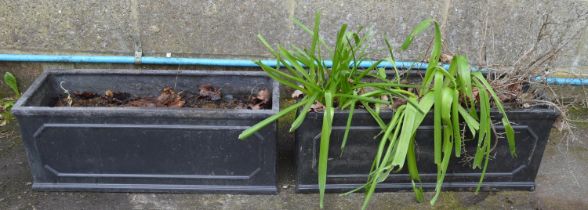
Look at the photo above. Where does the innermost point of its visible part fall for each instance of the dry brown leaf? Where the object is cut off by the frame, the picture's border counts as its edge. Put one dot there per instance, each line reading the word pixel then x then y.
pixel 210 92
pixel 297 94
pixel 109 93
pixel 260 100
pixel 398 102
pixel 317 107
pixel 170 98
pixel 476 93
pixel 263 95
pixel 445 58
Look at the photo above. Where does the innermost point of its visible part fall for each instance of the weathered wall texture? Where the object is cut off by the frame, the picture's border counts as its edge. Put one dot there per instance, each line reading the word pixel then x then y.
pixel 490 32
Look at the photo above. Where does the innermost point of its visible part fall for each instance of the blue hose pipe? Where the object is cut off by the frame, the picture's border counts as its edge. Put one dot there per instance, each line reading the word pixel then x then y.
pixel 227 63
pixel 563 81
pixel 182 61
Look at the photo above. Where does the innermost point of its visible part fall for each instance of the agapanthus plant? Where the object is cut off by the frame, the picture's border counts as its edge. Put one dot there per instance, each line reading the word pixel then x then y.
pixel 450 95
pixel 341 86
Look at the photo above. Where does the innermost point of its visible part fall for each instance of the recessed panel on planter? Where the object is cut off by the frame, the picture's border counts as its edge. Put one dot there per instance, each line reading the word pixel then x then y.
pixel 118 150
pixel 348 169
pixel 147 149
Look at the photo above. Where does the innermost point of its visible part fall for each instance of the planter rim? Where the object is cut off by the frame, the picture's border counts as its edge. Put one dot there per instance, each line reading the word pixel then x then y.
pixel 20 109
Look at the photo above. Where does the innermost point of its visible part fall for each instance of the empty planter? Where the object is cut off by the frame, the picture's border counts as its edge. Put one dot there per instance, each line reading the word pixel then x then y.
pixel 147 149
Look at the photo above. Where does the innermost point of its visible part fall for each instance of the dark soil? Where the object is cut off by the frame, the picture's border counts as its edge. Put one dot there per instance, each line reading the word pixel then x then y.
pixel 207 97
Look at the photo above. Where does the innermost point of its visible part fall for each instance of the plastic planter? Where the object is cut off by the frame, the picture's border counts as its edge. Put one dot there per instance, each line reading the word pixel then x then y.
pixel 349 171
pixel 128 149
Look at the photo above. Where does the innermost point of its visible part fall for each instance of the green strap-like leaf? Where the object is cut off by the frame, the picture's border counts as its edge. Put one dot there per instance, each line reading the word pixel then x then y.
pixel 348 124
pixel 315 33
pixel 455 123
pixel 302 115
pixel 394 122
pixel 10 81
pixel 414 172
pixel 251 130
pixel 442 166
pixel 418 191
pixel 294 62
pixel 510 137
pixel 446 104
pixel 404 139
pixel 463 75
pixel 486 151
pixel 470 121
pixel 484 133
pixel 418 29
pixel 386 84
pixel 437 117
pixel 367 71
pixel 270 72
pixel 376 117
pixel 362 98
pixel 437 46
pixel 379 169
pixel 324 145
pixel 310 32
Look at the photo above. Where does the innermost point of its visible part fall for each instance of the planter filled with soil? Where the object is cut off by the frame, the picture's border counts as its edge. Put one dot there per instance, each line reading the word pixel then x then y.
pixel 349 170
pixel 129 130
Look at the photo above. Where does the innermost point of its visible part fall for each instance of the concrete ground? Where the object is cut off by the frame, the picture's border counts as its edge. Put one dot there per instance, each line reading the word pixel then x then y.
pixel 561 184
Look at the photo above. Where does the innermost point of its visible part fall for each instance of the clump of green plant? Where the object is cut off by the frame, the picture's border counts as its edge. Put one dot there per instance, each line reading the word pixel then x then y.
pixel 8 102
pixel 453 95
pixel 450 95
pixel 341 86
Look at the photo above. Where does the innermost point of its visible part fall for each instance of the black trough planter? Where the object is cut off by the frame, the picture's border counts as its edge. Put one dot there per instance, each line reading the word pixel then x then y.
pixel 125 149
pixel 349 171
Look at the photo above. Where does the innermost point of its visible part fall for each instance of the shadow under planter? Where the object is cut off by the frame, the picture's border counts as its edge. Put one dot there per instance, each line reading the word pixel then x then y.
pixel 348 171
pixel 129 149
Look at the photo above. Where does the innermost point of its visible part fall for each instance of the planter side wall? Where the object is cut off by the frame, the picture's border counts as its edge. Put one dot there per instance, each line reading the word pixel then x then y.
pixel 349 170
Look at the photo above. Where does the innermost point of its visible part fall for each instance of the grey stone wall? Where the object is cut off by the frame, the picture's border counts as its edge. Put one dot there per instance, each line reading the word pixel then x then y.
pixel 489 32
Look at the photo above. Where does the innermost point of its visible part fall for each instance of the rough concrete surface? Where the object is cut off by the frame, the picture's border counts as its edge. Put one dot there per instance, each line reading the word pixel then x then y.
pixel 66 26
pixel 490 32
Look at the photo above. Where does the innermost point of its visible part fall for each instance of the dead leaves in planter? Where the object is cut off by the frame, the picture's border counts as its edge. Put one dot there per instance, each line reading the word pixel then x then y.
pixel 90 99
pixel 206 96
pixel 167 98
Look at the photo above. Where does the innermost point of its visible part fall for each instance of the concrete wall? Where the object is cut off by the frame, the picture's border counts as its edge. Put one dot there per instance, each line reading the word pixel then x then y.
pixel 490 32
